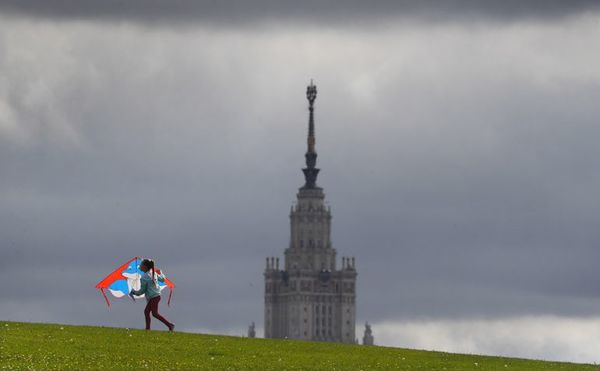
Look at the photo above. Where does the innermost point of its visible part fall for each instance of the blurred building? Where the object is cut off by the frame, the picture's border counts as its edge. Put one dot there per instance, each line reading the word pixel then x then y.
pixel 308 297
pixel 251 331
pixel 368 338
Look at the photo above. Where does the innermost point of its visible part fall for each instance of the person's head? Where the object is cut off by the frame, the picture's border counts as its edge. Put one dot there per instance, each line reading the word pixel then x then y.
pixel 146 265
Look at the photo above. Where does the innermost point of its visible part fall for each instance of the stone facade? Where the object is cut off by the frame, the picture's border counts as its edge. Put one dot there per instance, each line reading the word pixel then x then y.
pixel 308 297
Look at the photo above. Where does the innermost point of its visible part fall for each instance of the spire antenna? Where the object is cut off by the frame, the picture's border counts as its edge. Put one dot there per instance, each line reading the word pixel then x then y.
pixel 310 172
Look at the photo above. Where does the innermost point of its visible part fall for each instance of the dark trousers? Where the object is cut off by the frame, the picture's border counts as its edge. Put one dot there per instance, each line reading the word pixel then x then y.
pixel 152 306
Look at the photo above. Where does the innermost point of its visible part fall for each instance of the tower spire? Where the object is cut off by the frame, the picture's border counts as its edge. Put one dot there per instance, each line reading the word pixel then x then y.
pixel 310 171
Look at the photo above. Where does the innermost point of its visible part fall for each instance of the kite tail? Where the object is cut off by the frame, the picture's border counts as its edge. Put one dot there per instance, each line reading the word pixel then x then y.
pixel 170 294
pixel 105 298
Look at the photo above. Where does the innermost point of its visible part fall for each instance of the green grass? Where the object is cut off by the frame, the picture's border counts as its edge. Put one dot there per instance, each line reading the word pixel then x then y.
pixel 41 346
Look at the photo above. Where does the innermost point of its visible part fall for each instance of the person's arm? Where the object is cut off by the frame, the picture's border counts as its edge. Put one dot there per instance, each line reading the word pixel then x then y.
pixel 142 290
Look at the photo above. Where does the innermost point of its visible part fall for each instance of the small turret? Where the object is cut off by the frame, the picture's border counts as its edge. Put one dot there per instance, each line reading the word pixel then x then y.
pixel 368 336
pixel 251 331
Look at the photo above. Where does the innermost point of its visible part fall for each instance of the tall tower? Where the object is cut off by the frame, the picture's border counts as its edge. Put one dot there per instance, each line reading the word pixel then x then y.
pixel 308 297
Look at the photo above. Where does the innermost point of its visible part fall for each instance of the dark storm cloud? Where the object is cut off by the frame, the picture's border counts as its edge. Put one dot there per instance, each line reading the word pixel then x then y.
pixel 244 12
pixel 460 166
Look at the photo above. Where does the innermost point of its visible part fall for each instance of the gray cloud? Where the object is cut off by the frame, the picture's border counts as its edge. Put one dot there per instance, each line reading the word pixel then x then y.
pixel 349 12
pixel 538 337
pixel 459 162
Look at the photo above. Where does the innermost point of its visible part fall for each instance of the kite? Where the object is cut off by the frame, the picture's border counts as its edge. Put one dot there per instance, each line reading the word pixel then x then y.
pixel 127 277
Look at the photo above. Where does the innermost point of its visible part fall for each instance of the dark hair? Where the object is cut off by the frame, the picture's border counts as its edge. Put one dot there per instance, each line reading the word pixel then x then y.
pixel 149 263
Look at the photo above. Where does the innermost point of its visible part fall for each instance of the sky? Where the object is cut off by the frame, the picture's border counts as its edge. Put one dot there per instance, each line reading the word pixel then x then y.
pixel 457 147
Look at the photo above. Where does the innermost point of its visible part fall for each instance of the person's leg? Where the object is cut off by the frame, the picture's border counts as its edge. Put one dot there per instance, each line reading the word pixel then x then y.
pixel 147 315
pixel 157 315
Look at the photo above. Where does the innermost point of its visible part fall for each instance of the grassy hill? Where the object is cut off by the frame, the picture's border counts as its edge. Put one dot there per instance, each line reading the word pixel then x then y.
pixel 43 346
